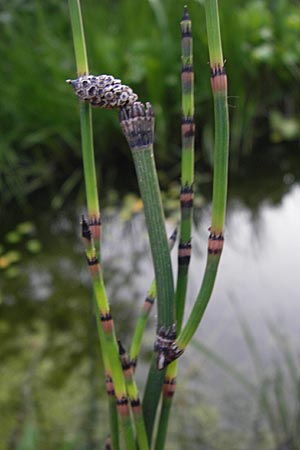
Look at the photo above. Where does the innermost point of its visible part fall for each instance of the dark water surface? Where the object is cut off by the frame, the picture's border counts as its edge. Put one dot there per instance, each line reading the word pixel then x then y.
pixel 50 375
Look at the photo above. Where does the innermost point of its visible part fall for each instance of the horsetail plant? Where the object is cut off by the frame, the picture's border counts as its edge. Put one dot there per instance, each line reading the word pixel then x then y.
pixel 216 236
pixel 186 206
pixel 137 124
pixel 91 236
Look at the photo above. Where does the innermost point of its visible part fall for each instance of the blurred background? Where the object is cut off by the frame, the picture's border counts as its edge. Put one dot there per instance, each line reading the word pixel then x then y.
pixel 240 379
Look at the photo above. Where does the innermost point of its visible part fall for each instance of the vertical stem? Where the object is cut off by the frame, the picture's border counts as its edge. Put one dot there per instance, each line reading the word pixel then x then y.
pixel 186 205
pixel 216 237
pixel 137 123
pixel 91 235
pixel 187 165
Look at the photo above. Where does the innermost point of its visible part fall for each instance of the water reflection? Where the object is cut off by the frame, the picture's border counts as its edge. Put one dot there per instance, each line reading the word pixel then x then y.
pixel 48 344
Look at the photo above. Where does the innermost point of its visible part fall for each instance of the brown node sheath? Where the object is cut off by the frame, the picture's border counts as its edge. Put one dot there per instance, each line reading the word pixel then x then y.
pixel 187 77
pixel 94 266
pixel 122 406
pixel 215 243
pixel 106 322
pixel 136 405
pixel 184 253
pixel 218 78
pixel 148 303
pixel 186 197
pixel 125 362
pixel 169 387
pixel 95 227
pixel 109 385
pixel 108 443
pixel 188 132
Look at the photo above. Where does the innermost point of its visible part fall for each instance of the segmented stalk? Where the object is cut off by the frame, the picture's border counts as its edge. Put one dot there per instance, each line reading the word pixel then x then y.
pixel 216 237
pixel 91 235
pixel 186 205
pixel 134 399
pixel 107 336
pixel 187 164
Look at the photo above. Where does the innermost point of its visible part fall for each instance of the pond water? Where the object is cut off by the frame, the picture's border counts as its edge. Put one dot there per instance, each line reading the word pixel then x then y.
pixel 50 375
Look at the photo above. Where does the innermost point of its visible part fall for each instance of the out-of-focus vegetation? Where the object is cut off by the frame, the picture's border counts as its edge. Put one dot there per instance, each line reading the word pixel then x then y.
pixel 40 141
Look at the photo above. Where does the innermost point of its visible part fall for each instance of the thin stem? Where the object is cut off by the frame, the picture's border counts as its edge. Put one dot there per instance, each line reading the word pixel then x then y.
pixel 134 399
pixel 137 123
pixel 108 338
pixel 91 236
pixel 186 205
pixel 216 238
pixel 187 165
pixel 146 309
pixel 78 37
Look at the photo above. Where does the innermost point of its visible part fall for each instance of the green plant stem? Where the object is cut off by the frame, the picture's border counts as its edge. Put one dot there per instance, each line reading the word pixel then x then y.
pixel 91 235
pixel 187 165
pixel 134 398
pixel 151 396
pixel 113 413
pixel 186 206
pixel 146 309
pixel 89 160
pixel 137 124
pixel 78 37
pixel 213 33
pixel 148 184
pixel 216 239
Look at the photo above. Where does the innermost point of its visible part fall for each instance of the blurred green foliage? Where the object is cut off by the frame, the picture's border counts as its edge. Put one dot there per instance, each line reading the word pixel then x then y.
pixel 40 140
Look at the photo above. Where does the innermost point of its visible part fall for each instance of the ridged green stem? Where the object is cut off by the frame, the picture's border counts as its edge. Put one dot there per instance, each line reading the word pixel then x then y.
pixel 148 184
pixel 147 307
pixel 219 88
pixel 149 188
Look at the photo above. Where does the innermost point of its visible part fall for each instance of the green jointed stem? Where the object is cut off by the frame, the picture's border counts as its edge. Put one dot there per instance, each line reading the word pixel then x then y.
pixel 133 394
pixel 187 164
pixel 107 338
pixel 186 204
pixel 216 239
pixel 113 413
